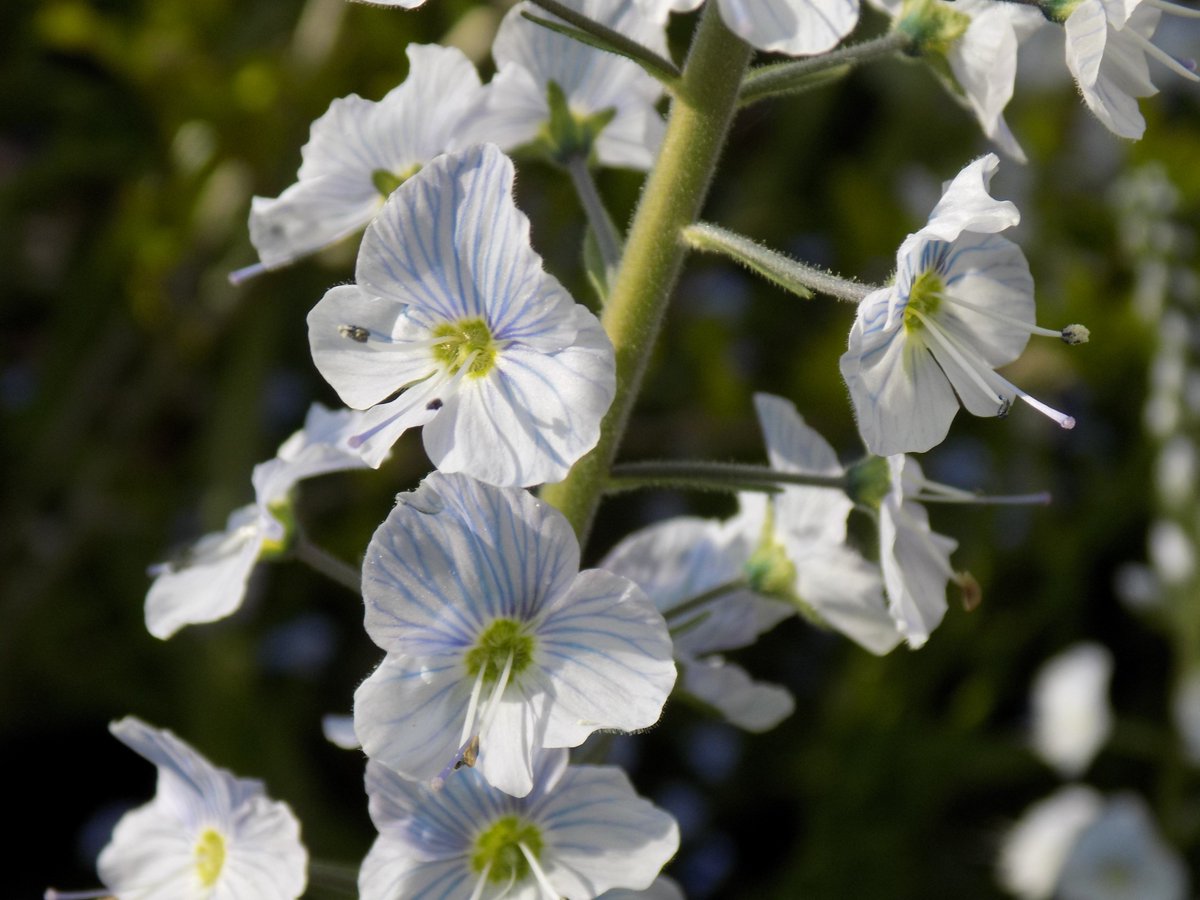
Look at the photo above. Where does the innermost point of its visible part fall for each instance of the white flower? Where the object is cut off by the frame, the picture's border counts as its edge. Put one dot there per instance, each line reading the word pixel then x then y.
pixel 915 558
pixel 1071 716
pixel 687 560
pixel 801 535
pixel 961 304
pixel 206 835
pixel 529 57
pixel 1108 48
pixel 359 151
pixel 795 27
pixel 1036 847
pixel 579 832
pixel 1120 856
pixel 509 376
pixel 208 582
pixel 1185 712
pixel 978 40
pixel 496 644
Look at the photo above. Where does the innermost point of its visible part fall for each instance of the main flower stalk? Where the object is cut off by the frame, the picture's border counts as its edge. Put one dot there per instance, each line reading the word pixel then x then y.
pixel 700 117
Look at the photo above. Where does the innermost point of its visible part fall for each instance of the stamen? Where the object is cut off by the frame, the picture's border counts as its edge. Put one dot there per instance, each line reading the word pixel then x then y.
pixel 101 894
pixel 1162 56
pixel 1040 499
pixel 497 694
pixel 538 874
pixel 429 388
pixel 992 379
pixel 946 343
pixel 481 882
pixel 1075 334
pixel 998 316
pixel 472 705
pixel 1174 9
pixel 239 277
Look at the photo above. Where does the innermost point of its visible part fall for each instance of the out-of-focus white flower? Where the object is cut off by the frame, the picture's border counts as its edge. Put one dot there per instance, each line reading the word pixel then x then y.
pixel 915 558
pixel 794 27
pixel 1121 856
pixel 580 831
pixel 610 99
pixel 799 535
pixel 1108 44
pixel 978 40
pixel 509 376
pixel 1172 552
pixel 1034 850
pixel 208 581
pixel 206 835
pixel 694 572
pixel 1071 714
pixel 360 151
pixel 497 645
pixel 961 305
pixel 1185 710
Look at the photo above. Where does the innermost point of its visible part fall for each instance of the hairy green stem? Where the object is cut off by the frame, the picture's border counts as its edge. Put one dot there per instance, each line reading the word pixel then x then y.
pixel 790 77
pixel 789 274
pixel 700 117
pixel 713 476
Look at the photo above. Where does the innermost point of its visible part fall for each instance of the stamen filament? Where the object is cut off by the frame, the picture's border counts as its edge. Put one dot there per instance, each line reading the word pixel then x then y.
pixel 497 694
pixel 947 343
pixel 1162 56
pixel 472 706
pixel 538 874
pixel 236 277
pixel 481 882
pixel 100 894
pixel 1001 317
pixel 1174 9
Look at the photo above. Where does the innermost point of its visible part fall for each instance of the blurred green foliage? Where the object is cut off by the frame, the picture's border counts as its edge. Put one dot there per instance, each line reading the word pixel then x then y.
pixel 138 388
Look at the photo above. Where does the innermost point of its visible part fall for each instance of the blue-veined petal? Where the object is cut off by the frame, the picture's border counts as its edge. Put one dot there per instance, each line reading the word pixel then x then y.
pixel 752 705
pixel 795 27
pixel 604 655
pixel 603 834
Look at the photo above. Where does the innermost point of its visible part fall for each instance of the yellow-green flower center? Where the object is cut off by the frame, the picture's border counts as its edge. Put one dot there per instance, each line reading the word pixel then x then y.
pixel 498 850
pixel 501 639
pixel 385 181
pixel 210 856
pixel 465 340
pixel 924 298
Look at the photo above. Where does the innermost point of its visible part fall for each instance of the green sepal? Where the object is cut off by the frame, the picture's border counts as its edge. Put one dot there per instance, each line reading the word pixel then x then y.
pixel 565 135
pixel 932 25
pixel 868 482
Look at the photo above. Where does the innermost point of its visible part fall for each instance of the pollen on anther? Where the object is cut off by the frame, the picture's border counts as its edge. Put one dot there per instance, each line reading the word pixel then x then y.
pixel 356 333
pixel 1075 334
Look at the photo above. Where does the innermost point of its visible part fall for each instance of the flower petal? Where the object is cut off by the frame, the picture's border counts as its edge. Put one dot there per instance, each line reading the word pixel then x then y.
pixel 752 705
pixel 795 27
pixel 604 655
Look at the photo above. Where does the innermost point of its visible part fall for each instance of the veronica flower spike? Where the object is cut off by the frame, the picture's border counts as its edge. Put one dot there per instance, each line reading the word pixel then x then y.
pixel 359 152
pixel 208 581
pixel 581 831
pixel 497 645
pixel 509 376
pixel 1108 45
pixel 206 835
pixel 961 304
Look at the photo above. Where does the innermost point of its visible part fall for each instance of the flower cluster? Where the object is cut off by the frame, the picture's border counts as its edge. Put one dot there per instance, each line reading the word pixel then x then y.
pixel 499 653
